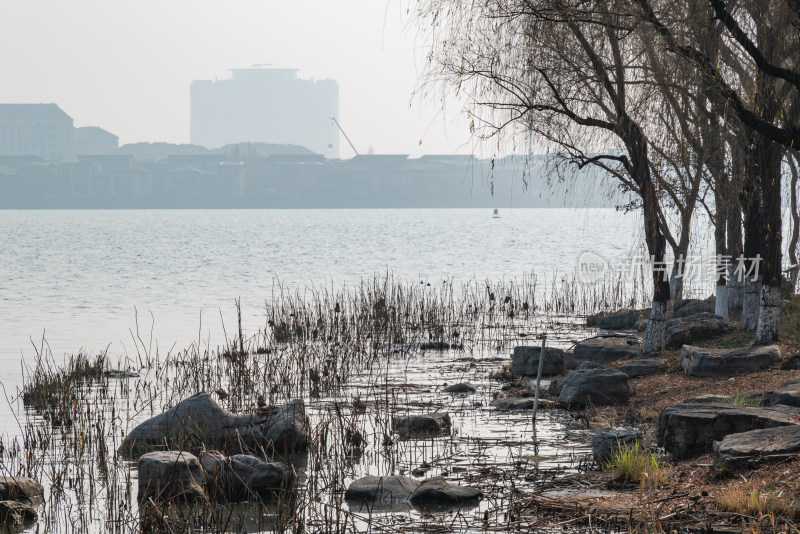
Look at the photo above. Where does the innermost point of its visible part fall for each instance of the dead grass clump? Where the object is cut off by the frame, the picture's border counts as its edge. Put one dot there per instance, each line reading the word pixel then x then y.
pixel 747 500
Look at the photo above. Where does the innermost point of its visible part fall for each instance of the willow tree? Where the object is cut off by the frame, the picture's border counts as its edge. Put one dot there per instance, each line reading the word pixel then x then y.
pixel 575 76
pixel 762 34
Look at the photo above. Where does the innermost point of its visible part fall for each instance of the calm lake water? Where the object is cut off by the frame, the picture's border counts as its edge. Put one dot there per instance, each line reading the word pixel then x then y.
pixel 78 278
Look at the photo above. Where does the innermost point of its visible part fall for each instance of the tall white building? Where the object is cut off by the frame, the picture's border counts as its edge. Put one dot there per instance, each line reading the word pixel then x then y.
pixel 42 130
pixel 266 105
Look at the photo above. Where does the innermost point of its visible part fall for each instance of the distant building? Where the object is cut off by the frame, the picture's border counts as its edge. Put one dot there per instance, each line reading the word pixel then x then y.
pixel 95 141
pixel 266 106
pixel 42 130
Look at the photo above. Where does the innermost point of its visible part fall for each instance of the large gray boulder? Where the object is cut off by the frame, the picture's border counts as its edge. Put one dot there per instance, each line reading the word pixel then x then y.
pixel 644 367
pixel 749 449
pixel 20 488
pixel 171 475
pixel 700 361
pixel 693 328
pixel 607 348
pixel 427 425
pixel 687 307
pixel 199 423
pixel 525 361
pixel 384 490
pixel 594 386
pixel 688 430
pixel 436 491
pixel 606 444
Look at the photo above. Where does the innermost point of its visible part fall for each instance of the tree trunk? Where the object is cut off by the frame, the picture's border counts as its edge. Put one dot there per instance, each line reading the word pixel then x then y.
pixel 720 221
pixel 753 235
pixel 769 313
pixel 734 225
pixel 795 269
pixel 735 286
pixel 657 246
pixel 675 284
pixel 751 301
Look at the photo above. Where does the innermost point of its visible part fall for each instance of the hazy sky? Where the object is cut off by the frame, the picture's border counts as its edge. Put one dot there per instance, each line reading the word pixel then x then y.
pixel 126 66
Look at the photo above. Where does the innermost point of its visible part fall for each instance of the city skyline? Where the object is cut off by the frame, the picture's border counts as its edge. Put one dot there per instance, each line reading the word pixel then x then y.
pixel 141 92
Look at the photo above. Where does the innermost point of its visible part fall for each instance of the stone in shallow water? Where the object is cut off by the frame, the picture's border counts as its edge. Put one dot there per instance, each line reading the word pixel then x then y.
pixel 600 387
pixel 18 488
pixel 645 367
pixel 520 403
pixel 15 514
pixel 463 387
pixel 387 490
pixel 607 348
pixel 436 491
pixel 525 361
pixel 170 475
pixel 620 320
pixel 694 328
pixel 199 423
pixel 688 430
pixel 243 476
pixel 605 444
pixel 432 424
pixel 700 361
pixel 748 449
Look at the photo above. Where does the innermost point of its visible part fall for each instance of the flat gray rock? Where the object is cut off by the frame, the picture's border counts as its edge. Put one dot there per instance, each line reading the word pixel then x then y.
pixel 607 348
pixel 606 444
pixel 520 403
pixel 645 367
pixel 436 491
pixel 683 330
pixel 463 387
pixel 600 387
pixel 687 307
pixel 786 396
pixel 589 365
pixel 749 449
pixel 699 361
pixel 171 475
pixel 386 490
pixel 525 361
pixel 432 424
pixel 199 423
pixel 19 488
pixel 688 430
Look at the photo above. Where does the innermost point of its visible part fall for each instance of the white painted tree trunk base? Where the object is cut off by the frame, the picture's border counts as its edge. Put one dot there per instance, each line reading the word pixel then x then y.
pixel 654 332
pixel 751 304
pixel 769 315
pixel 721 306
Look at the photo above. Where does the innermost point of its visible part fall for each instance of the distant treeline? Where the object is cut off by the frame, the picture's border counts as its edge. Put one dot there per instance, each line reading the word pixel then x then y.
pixel 236 180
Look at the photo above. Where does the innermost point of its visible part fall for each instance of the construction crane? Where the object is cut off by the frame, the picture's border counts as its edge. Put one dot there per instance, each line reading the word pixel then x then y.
pixel 345 135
